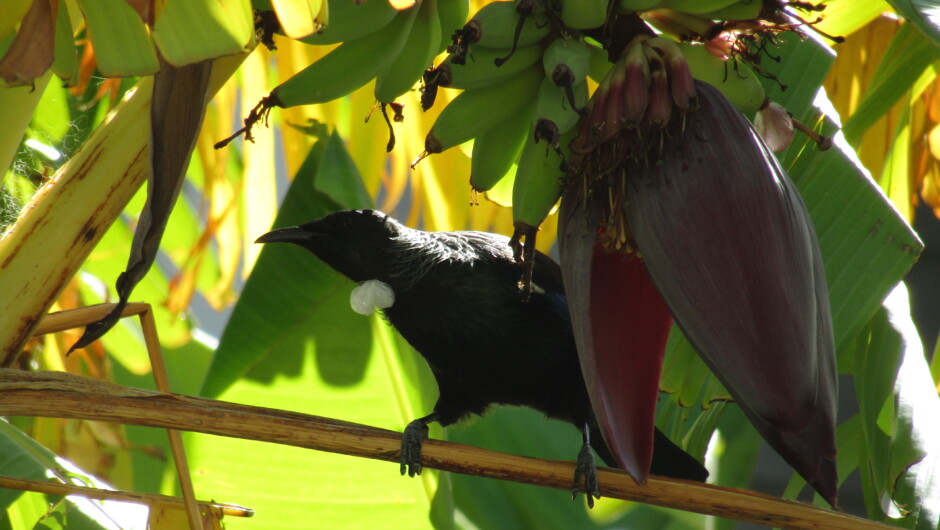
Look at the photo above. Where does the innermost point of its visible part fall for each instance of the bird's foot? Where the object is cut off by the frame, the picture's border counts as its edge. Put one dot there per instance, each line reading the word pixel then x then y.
pixel 586 472
pixel 415 434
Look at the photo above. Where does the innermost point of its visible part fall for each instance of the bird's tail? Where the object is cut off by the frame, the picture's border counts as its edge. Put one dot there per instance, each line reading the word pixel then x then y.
pixel 669 460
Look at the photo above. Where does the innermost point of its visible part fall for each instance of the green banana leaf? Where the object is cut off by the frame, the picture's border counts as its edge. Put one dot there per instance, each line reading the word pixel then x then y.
pixel 898 421
pixel 328 180
pixel 20 457
pixel 922 13
pixel 23 457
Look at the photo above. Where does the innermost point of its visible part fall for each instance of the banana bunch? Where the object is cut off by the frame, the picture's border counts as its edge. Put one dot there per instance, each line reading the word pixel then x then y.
pixel 524 90
pixel 378 42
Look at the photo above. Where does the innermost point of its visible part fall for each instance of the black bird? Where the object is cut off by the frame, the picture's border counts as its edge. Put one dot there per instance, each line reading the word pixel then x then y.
pixel 455 297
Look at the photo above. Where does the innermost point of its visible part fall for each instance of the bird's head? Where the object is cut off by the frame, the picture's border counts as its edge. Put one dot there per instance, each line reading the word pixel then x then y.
pixel 355 243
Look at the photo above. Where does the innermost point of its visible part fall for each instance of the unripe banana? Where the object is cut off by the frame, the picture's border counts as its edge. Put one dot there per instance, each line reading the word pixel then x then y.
pixel 583 14
pixel 476 111
pixel 480 70
pixel 415 57
pixel 348 67
pixel 735 80
pixel 453 15
pixel 741 10
pixel 494 26
pixel 497 149
pixel 567 59
pixel 350 20
pixel 699 7
pixel 678 23
pixel 554 115
pixel 567 62
pixel 538 182
pixel 629 6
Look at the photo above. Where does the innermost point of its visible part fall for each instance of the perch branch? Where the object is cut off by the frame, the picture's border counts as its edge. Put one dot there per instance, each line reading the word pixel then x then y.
pixel 60 395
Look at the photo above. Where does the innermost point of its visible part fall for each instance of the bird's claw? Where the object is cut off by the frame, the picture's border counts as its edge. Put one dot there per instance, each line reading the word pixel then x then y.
pixel 415 434
pixel 586 469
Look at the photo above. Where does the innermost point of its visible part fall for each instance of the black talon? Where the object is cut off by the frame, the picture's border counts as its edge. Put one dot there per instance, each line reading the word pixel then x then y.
pixel 587 468
pixel 414 435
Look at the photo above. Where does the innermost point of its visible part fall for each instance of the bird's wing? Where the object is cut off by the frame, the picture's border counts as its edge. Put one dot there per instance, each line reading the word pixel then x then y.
pixel 548 296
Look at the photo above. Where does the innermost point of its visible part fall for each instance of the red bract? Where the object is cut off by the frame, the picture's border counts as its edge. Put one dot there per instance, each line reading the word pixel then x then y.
pixel 621 324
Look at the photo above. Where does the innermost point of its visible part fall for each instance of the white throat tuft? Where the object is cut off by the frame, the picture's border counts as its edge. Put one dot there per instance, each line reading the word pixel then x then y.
pixel 371 294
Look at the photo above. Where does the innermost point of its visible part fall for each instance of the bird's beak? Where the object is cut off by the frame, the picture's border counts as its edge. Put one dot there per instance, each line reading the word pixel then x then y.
pixel 292 234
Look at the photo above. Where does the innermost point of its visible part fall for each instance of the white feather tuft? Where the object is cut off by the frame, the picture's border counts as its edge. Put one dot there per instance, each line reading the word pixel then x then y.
pixel 371 294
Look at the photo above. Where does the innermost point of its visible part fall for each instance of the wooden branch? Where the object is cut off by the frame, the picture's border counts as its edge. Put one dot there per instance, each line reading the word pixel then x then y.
pixel 61 395
pixel 76 318
pixel 148 499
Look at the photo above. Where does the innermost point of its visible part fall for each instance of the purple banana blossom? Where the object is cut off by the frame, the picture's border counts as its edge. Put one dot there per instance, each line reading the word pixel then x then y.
pixel 729 244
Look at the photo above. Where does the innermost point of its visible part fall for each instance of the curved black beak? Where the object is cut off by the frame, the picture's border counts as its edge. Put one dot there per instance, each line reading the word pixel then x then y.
pixel 291 234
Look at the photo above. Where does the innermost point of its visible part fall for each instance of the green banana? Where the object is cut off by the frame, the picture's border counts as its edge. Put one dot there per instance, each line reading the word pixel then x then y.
pixel 567 61
pixel 538 182
pixel 476 111
pixel 350 20
pixel 699 7
pixel 554 114
pixel 494 26
pixel 480 69
pixel 678 23
pixel 415 57
pixel 735 80
pixel 629 6
pixel 348 67
pixel 535 190
pixel 497 149
pixel 583 14
pixel 453 15
pixel 740 10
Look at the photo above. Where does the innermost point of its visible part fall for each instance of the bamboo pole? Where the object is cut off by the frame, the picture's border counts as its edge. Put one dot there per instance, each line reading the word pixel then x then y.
pixel 62 395
pixel 215 509
pixel 162 381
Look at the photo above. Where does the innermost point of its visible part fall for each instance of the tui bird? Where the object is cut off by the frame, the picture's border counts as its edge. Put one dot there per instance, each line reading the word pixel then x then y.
pixel 455 297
